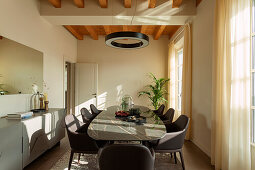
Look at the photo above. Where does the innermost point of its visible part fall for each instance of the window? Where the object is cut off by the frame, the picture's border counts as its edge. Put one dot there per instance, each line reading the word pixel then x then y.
pixel 179 78
pixel 253 72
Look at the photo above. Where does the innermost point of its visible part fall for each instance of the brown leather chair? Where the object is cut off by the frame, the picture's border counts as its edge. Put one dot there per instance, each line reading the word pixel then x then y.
pixel 160 111
pixel 126 157
pixel 94 110
pixel 167 118
pixel 87 117
pixel 79 140
pixel 173 141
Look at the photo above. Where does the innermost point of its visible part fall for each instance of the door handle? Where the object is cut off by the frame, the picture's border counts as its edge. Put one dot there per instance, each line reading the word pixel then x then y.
pixel 94 94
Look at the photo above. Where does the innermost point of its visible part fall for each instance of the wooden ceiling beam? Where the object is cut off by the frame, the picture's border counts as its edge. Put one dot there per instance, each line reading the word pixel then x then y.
pixel 144 29
pixel 127 3
pixel 152 3
pixel 74 32
pixel 79 3
pixel 92 32
pixel 55 3
pixel 107 29
pixel 176 3
pixel 198 2
pixel 103 3
pixel 125 28
pixel 159 32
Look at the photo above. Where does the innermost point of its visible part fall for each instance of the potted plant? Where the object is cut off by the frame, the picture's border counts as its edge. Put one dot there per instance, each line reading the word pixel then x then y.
pixel 156 92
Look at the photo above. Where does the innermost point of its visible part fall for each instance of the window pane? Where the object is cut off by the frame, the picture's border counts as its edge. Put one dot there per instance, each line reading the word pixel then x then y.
pixel 179 87
pixel 253 52
pixel 179 73
pixel 253 16
pixel 180 57
pixel 253 89
pixel 253 126
pixel 179 102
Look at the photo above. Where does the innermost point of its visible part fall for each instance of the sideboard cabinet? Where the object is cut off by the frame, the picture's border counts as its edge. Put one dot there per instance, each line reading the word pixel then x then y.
pixel 21 142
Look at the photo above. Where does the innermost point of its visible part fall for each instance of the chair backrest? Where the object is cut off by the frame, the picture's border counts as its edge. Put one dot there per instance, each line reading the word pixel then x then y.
pixel 180 125
pixel 72 123
pixel 79 141
pixel 160 110
pixel 126 157
pixel 182 122
pixel 94 110
pixel 86 115
pixel 169 115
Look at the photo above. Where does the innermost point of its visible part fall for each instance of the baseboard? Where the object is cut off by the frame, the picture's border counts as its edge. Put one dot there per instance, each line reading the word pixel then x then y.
pixel 201 146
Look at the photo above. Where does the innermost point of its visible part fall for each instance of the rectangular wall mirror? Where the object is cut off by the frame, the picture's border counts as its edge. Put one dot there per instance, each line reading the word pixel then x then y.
pixel 20 68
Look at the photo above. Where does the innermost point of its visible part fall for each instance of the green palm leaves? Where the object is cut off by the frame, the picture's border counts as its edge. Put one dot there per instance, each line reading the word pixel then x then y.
pixel 156 92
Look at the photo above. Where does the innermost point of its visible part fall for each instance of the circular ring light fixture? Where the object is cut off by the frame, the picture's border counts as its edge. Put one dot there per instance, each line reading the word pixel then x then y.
pixel 113 38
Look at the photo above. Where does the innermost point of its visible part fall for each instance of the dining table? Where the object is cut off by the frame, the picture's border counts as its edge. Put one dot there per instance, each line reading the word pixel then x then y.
pixel 106 126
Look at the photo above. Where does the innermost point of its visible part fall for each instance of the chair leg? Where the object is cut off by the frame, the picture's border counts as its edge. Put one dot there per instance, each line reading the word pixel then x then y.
pixel 79 157
pixel 182 160
pixel 171 155
pixel 70 160
pixel 175 160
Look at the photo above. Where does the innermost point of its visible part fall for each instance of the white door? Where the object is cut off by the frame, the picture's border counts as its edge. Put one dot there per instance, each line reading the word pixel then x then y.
pixel 86 80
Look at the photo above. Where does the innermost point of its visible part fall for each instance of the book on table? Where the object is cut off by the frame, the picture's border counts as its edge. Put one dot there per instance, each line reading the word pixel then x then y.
pixel 19 115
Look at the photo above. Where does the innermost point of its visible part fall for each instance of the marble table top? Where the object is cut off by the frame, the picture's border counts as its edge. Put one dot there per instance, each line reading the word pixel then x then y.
pixel 106 127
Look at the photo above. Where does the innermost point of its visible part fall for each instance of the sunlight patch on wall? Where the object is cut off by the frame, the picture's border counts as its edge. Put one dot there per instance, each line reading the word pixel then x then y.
pixel 101 101
pixel 85 104
pixel 119 93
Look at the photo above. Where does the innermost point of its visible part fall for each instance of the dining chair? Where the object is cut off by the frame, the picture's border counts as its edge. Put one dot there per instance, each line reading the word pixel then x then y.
pixel 167 118
pixel 160 111
pixel 94 110
pixel 173 141
pixel 87 117
pixel 79 140
pixel 126 157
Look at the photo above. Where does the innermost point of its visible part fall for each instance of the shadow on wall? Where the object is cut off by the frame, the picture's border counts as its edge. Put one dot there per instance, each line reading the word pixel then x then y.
pixel 203 136
pixel 101 103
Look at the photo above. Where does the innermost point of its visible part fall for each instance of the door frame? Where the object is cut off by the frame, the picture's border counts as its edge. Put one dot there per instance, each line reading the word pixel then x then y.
pixel 72 93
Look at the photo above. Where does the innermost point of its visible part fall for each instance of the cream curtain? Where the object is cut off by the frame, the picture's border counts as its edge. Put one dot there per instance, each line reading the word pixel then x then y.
pixel 171 75
pixel 231 86
pixel 186 73
pixel 186 98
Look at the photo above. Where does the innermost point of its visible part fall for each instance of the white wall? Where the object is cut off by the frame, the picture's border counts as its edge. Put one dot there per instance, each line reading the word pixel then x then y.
pixel 21 22
pixel 202 75
pixel 124 71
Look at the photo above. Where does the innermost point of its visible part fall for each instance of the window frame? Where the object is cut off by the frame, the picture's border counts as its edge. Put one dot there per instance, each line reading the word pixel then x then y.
pixel 177 80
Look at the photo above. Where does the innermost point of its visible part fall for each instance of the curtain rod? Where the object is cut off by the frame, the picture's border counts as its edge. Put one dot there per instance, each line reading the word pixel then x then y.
pixel 177 34
pixel 179 31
